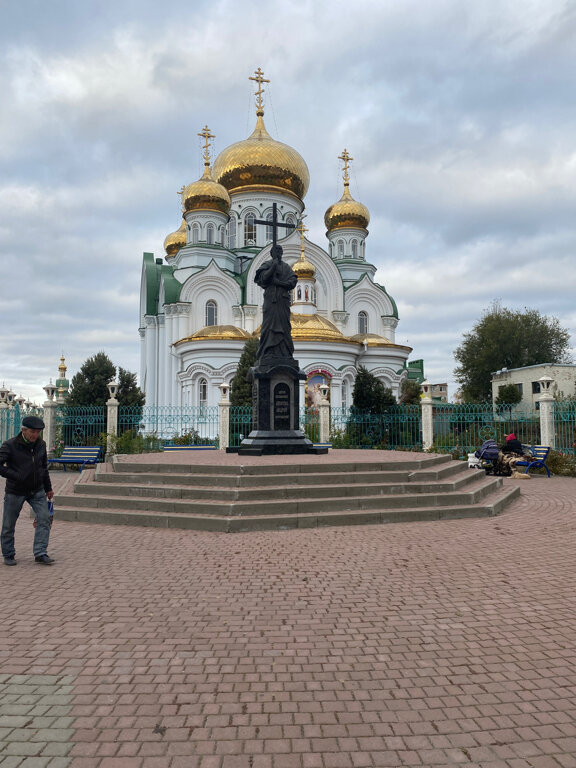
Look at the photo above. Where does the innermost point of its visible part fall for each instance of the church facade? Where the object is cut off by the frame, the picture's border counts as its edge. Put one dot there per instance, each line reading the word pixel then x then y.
pixel 199 304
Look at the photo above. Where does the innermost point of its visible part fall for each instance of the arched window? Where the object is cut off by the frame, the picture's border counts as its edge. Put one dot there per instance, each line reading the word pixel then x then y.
pixel 340 249
pixel 202 393
pixel 290 220
pixel 354 249
pixel 221 235
pixel 210 234
pixel 362 322
pixel 232 233
pixel 195 233
pixel 211 313
pixel 344 394
pixel 269 229
pixel 250 229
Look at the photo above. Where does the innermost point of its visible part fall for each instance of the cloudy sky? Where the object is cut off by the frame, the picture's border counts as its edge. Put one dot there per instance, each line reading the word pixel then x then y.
pixel 460 117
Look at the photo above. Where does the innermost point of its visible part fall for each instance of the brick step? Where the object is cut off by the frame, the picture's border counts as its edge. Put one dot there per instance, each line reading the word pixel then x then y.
pixel 239 480
pixel 309 467
pixel 291 491
pixel 284 504
pixel 243 523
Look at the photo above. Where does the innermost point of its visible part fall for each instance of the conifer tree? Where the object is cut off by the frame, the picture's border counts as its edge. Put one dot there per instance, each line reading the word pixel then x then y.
pixel 370 394
pixel 240 388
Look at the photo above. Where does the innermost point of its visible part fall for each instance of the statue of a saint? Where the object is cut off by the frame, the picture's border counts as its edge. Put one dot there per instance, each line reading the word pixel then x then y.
pixel 278 279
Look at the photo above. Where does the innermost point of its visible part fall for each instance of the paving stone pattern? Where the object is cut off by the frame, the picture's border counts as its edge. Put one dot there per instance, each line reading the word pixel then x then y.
pixel 418 644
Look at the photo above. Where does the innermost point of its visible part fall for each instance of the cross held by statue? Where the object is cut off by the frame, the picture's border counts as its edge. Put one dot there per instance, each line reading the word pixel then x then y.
pixel 275 224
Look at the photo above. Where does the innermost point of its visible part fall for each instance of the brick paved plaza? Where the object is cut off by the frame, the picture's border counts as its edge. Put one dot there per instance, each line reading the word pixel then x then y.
pixel 418 644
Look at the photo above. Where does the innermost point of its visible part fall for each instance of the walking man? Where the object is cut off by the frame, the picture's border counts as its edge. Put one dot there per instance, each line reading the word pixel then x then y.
pixel 23 463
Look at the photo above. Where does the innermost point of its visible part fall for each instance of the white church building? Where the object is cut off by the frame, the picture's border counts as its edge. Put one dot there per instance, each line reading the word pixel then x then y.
pixel 199 304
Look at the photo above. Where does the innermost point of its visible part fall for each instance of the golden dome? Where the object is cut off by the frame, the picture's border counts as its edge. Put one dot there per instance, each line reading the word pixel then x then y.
pixel 372 340
pixel 315 328
pixel 206 194
pixel 347 212
pixel 218 333
pixel 303 268
pixel 175 240
pixel 259 160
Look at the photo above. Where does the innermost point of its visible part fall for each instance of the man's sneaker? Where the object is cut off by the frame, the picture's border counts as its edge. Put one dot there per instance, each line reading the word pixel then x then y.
pixel 10 561
pixel 44 560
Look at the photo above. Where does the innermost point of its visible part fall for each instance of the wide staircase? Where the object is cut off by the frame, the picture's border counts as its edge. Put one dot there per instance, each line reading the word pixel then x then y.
pixel 294 494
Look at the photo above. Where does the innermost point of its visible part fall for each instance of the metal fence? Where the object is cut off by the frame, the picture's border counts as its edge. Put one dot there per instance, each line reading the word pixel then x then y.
pixel 180 425
pixel 565 426
pixel 463 428
pixel 241 424
pixel 399 427
pixel 11 419
pixel 78 425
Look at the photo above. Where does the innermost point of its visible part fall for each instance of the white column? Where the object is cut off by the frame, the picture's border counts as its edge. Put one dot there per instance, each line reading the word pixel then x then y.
pixel 324 418
pixel 546 400
pixel 49 417
pixel 111 422
pixel 224 417
pixel 427 416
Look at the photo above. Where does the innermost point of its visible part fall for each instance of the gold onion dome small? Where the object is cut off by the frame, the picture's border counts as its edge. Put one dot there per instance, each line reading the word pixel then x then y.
pixel 315 328
pixel 206 194
pixel 260 160
pixel 175 240
pixel 347 212
pixel 303 268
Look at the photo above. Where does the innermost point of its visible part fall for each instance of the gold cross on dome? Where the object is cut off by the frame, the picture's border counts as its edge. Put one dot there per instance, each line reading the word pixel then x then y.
pixel 345 157
pixel 259 79
pixel 206 135
pixel 302 229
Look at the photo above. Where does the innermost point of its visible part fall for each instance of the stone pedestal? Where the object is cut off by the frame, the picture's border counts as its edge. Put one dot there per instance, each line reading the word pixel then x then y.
pixel 276 404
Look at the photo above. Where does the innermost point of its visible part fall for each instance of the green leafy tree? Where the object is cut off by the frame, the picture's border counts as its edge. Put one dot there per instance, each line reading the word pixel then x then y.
pixel 505 338
pixel 410 392
pixel 129 393
pixel 370 394
pixel 508 394
pixel 89 386
pixel 240 388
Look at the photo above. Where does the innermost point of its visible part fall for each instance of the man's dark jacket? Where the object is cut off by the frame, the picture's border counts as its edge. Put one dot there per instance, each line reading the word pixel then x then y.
pixel 24 466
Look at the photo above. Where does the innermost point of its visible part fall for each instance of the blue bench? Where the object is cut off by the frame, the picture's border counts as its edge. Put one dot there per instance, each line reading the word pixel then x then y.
pixel 80 455
pixel 538 460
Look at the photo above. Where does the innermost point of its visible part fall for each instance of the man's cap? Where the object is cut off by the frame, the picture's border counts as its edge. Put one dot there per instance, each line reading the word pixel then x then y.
pixel 511 436
pixel 32 422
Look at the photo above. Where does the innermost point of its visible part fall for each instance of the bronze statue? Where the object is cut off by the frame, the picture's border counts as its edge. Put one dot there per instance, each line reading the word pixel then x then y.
pixel 277 279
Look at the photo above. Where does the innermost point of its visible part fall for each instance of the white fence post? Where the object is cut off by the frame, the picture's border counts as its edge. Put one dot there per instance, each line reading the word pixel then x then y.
pixel 546 400
pixel 427 416
pixel 224 418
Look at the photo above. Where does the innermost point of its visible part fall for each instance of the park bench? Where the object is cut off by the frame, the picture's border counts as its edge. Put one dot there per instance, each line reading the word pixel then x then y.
pixel 80 455
pixel 538 459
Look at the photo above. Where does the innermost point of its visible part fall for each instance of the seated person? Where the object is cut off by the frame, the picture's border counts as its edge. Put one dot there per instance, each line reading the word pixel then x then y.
pixel 512 445
pixel 510 453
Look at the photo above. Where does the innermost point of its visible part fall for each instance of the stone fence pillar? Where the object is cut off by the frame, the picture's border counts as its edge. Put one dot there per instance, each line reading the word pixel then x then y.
pixel 427 416
pixel 49 417
pixel 546 401
pixel 324 420
pixel 224 418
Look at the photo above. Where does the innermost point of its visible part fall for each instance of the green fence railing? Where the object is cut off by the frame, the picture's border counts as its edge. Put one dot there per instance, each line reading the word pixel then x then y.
pixel 78 425
pixel 565 426
pixel 179 425
pixel 463 428
pixel 398 427
pixel 11 419
pixel 241 424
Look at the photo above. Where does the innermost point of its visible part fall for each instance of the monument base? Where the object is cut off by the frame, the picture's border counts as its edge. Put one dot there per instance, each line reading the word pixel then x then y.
pixel 277 442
